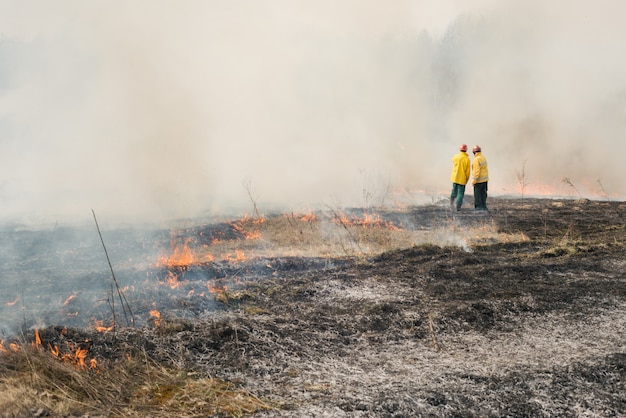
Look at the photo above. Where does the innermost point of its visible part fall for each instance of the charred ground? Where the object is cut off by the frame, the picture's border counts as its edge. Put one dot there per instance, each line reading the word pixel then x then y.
pixel 532 326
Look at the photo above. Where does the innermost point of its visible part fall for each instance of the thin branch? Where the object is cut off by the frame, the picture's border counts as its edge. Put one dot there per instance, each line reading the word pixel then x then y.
pixel 247 184
pixel 521 178
pixel 604 193
pixel 120 293
pixel 567 181
pixel 340 219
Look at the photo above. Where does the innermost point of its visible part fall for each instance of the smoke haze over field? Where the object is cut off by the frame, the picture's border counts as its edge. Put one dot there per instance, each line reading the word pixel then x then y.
pixel 168 108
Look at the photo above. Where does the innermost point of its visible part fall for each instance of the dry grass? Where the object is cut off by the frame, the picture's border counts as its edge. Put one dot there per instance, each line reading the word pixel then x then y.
pixel 337 234
pixel 33 379
pixel 35 382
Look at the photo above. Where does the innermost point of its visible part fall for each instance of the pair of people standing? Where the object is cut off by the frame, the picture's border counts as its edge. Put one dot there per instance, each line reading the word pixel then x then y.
pixel 461 169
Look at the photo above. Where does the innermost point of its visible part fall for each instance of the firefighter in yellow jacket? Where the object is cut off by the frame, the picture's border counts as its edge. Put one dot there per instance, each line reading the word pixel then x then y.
pixel 459 177
pixel 480 177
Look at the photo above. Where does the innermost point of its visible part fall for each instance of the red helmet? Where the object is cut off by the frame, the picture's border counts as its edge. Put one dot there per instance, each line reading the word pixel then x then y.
pixel 476 148
pixel 463 147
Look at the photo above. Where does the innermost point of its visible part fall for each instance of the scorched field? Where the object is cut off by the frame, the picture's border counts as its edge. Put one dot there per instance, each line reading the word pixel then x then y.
pixel 387 312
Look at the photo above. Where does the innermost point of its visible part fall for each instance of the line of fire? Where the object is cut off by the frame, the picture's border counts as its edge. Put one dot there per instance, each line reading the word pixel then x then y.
pixel 201 267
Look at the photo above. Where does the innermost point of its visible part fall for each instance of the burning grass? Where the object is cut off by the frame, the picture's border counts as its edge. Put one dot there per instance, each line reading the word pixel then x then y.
pixel 349 233
pixel 35 383
pixel 419 312
pixel 33 379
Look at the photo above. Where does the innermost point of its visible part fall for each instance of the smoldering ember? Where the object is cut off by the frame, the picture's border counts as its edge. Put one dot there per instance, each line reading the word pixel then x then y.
pixel 390 312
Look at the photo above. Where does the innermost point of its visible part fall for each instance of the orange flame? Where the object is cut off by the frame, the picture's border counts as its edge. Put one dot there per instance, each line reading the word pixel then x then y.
pixel 216 289
pixel 253 235
pixel 238 257
pixel 172 280
pixel 69 299
pixel 37 342
pixel 183 253
pixel 310 217
pixel 366 221
pixel 104 329
pixel 157 317
pixel 248 235
pixel 100 327
pixel 54 350
pixel 79 357
pixel 181 256
pixel 208 257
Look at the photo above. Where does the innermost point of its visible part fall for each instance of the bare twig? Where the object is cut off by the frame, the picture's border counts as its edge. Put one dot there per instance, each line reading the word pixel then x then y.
pixel 385 193
pixel 604 193
pixel 367 195
pixel 567 181
pixel 341 220
pixel 521 179
pixel 125 306
pixel 23 310
pixel 247 184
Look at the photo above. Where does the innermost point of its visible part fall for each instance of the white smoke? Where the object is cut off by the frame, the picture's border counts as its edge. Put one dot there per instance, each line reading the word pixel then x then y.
pixel 168 108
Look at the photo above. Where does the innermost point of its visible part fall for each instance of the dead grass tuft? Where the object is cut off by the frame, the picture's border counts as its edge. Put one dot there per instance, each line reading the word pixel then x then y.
pixel 333 234
pixel 182 396
pixel 34 381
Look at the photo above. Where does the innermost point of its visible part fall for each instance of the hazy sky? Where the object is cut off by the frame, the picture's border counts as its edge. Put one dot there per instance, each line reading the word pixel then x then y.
pixel 142 109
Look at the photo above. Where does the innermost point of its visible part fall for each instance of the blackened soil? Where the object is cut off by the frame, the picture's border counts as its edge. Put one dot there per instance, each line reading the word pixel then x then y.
pixel 518 329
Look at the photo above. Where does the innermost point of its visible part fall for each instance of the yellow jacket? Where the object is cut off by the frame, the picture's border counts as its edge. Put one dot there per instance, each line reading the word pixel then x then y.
pixel 460 168
pixel 480 172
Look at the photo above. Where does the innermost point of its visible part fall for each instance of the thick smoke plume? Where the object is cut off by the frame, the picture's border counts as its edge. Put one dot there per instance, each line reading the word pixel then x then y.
pixel 155 109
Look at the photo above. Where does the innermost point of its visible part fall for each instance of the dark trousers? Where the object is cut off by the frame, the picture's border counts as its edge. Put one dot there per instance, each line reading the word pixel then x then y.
pixel 458 192
pixel 480 196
